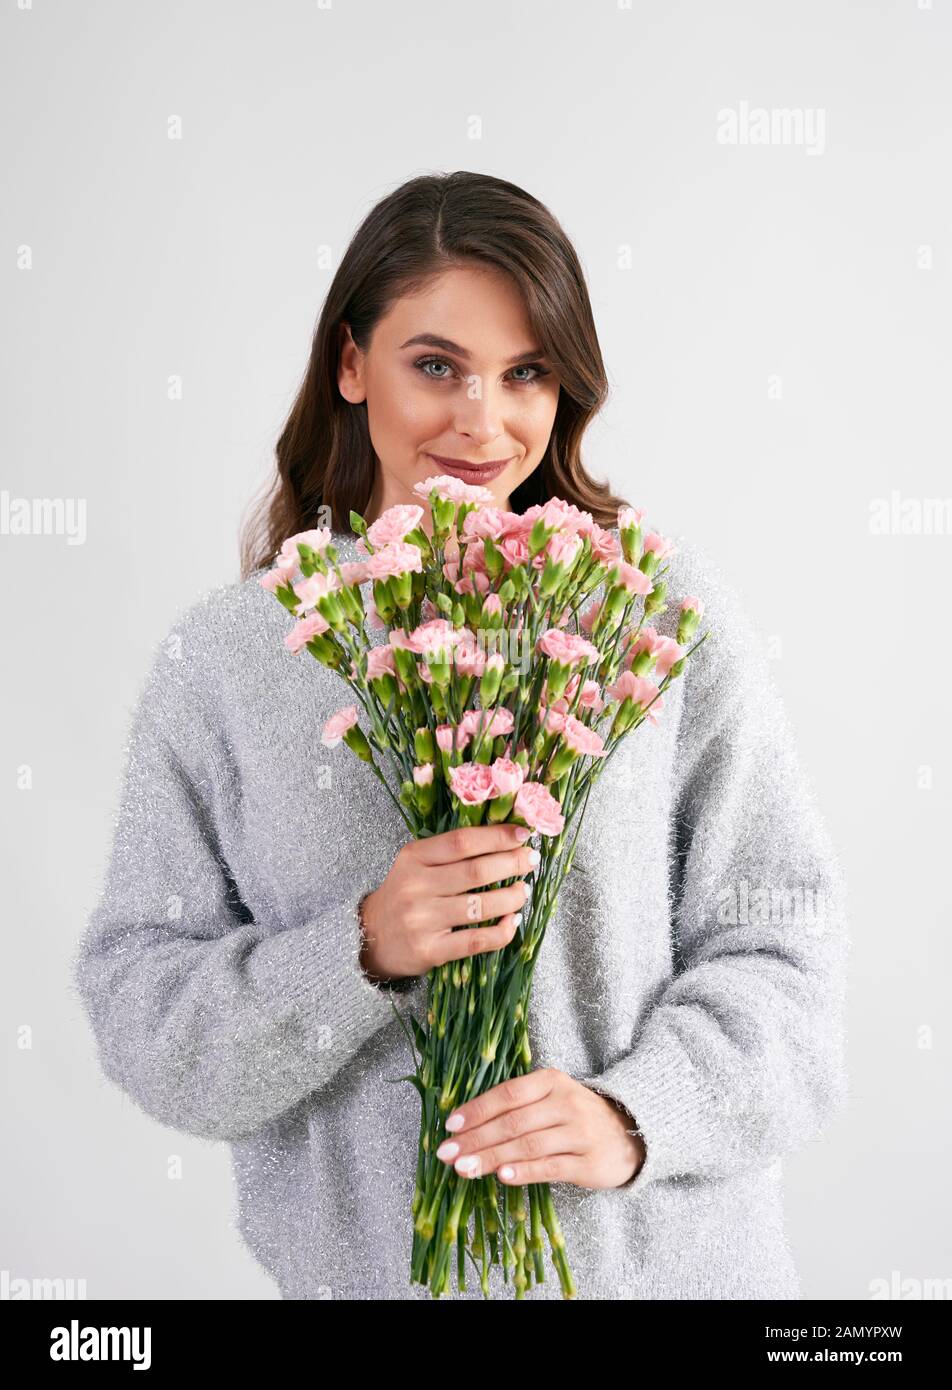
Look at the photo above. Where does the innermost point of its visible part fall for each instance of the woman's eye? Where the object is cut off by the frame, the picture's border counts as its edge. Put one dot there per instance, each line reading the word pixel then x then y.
pixel 424 363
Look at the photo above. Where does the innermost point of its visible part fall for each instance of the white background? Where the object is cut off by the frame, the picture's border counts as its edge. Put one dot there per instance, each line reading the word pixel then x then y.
pixel 718 274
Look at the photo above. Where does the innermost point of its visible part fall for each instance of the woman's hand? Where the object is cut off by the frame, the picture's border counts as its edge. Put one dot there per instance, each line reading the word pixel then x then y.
pixel 544 1127
pixel 432 887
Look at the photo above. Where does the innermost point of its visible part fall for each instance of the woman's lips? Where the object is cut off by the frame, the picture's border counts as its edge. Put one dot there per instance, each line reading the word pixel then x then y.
pixel 471 473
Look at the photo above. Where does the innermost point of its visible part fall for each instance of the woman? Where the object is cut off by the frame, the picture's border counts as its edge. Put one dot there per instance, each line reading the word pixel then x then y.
pixel 263 904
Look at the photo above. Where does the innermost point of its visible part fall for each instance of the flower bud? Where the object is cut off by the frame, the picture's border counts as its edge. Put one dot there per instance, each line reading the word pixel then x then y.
pixel 327 653
pixel 424 746
pixel 402 587
pixel 490 681
pixel 424 796
pixel 630 537
pixel 557 678
pixel 493 558
pixel 383 600
pixel 356 739
pixel 406 664
pixel 655 602
pixel 560 764
pixel 329 607
pixel 384 687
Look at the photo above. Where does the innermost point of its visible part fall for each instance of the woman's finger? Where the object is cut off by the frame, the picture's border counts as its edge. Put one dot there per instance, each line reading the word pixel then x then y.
pixel 555 1168
pixel 467 840
pixel 532 1150
pixel 483 869
pixel 458 945
pixel 517 1090
pixel 542 1114
pixel 469 908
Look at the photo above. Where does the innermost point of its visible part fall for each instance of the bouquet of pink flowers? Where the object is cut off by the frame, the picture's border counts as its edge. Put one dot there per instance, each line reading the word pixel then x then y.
pixel 497 697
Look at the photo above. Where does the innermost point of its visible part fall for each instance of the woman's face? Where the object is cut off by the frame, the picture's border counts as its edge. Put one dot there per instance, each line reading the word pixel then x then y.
pixel 435 406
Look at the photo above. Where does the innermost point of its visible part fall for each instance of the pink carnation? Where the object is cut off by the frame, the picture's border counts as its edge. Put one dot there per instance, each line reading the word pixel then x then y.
pixel 380 662
pixel 451 489
pixel 400 638
pixel 475 556
pixel 423 774
pixel 393 525
pixel 316 586
pixel 289 555
pixel 536 805
pixel 637 688
pixel 515 549
pixel 587 620
pixel 469 659
pixel 494 722
pixel 633 579
pixel 338 724
pixel 304 630
pixel 280 575
pixel 394 560
pixel 590 697
pixel 354 572
pixel 661 547
pixel 555 717
pixel 472 782
pixel 508 776
pixel 581 739
pixel 692 602
pixel 475 583
pixel 444 737
pixel 606 548
pixel 436 635
pixel 557 512
pixel 566 647
pixel 667 652
pixel 487 521
pixel 629 516
pixel 563 547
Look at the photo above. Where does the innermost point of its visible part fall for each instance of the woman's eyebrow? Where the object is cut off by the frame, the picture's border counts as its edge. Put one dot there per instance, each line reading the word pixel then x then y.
pixel 447 344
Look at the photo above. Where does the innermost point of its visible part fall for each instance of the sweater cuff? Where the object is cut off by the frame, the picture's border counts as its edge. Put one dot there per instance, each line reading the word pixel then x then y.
pixel 314 970
pixel 671 1105
pixel 403 983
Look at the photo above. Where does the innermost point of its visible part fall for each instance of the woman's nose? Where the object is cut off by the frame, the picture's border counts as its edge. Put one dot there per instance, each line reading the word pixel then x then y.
pixel 479 419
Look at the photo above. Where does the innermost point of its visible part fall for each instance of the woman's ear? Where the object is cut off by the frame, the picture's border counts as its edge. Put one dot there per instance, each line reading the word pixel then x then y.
pixel 350 373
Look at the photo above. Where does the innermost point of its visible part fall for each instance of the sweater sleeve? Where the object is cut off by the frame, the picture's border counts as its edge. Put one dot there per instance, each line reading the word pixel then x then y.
pixel 741 1060
pixel 211 1022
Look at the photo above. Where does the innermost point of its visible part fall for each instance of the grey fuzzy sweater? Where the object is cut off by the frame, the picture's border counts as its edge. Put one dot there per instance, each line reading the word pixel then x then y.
pixel 694 968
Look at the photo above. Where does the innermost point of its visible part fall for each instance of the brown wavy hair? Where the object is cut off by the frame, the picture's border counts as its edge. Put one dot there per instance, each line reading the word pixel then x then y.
pixel 324 454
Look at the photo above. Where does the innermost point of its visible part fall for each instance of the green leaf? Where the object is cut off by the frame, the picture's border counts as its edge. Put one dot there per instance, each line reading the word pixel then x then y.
pixel 418 1032
pixel 415 1079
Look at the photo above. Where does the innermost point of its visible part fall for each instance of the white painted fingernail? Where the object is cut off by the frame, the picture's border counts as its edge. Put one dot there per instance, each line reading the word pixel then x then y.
pixel 534 857
pixel 468 1165
pixel 528 890
pixel 518 918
